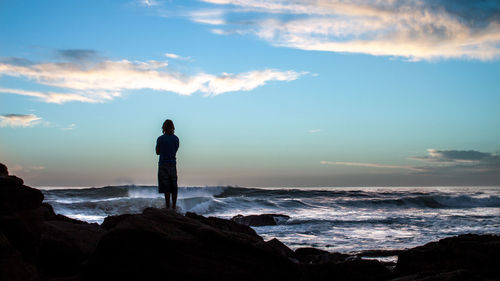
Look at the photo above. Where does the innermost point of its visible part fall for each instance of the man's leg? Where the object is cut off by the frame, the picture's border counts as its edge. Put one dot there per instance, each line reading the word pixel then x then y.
pixel 174 200
pixel 167 199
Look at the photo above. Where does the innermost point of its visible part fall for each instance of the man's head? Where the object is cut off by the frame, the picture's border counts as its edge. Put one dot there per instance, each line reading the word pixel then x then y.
pixel 168 127
pixel 3 170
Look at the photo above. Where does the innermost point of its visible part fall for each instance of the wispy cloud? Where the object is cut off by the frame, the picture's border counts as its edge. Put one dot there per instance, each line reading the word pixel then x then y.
pixel 52 97
pixel 313 131
pixel 148 3
pixel 18 120
pixel 176 56
pixel 369 165
pixel 228 82
pixel 416 30
pixel 212 17
pixel 78 55
pixel 18 168
pixel 105 80
pixel 71 126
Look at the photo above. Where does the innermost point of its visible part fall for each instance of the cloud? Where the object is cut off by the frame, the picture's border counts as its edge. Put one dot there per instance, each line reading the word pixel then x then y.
pixel 442 163
pixel 172 56
pixel 37 168
pixel 176 56
pixel 416 30
pixel 454 156
pixel 246 81
pixel 368 165
pixel 59 98
pixel 18 168
pixel 105 80
pixel 313 131
pixel 212 17
pixel 148 3
pixel 78 55
pixel 470 161
pixel 18 120
pixel 71 126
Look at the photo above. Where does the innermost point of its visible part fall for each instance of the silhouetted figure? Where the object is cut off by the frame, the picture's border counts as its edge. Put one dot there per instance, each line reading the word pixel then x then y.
pixel 167 146
pixel 6 178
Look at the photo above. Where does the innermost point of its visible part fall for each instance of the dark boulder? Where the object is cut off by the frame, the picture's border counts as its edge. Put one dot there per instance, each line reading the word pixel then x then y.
pixel 464 253
pixel 37 241
pixel 281 248
pixel 456 275
pixel 260 220
pixel 355 270
pixel 17 197
pixel 160 244
pixel 23 230
pixel 379 253
pixel 65 245
pixel 48 214
pixel 322 265
pixel 311 255
pixel 111 221
pixel 224 224
pixel 12 265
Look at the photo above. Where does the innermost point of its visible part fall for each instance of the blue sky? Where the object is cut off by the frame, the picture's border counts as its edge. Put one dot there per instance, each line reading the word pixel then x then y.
pixel 262 93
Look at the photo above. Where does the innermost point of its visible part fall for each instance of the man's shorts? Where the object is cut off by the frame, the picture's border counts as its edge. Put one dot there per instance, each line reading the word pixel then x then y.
pixel 167 178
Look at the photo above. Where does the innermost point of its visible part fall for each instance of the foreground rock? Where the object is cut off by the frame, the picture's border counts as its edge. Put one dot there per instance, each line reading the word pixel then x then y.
pixel 37 244
pixel 260 220
pixel 159 244
pixel 464 257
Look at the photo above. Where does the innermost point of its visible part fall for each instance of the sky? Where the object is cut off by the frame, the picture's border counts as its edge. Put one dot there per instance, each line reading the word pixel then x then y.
pixel 262 93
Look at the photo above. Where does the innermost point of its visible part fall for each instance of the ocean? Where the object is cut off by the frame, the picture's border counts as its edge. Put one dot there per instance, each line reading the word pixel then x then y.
pixel 335 219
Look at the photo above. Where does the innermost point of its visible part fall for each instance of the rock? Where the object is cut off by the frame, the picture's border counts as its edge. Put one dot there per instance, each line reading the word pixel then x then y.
pixel 11 179
pixel 12 265
pixel 348 270
pixel 476 253
pixel 281 248
pixel 17 197
pixel 24 226
pixel 48 214
pixel 311 255
pixel 65 245
pixel 111 221
pixel 162 244
pixel 259 220
pixel 23 230
pixel 379 253
pixel 323 265
pixel 457 275
pixel 224 224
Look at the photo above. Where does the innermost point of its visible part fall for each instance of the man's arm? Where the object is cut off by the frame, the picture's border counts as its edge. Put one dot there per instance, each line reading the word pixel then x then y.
pixel 157 148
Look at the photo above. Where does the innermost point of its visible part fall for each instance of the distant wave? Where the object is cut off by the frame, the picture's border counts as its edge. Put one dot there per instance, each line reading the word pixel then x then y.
pixel 96 203
pixel 360 198
pixel 204 199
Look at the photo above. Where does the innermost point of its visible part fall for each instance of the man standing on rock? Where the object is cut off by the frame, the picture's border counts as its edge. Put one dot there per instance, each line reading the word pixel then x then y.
pixel 167 146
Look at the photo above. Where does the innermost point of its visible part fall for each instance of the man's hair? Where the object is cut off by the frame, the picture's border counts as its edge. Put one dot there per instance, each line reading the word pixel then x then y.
pixel 168 127
pixel 3 169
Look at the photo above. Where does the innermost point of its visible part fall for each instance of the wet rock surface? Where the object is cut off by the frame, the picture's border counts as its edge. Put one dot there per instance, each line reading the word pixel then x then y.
pixel 476 256
pixel 260 220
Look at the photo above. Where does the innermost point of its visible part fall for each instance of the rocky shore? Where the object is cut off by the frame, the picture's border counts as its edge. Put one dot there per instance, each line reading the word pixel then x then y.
pixel 38 244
